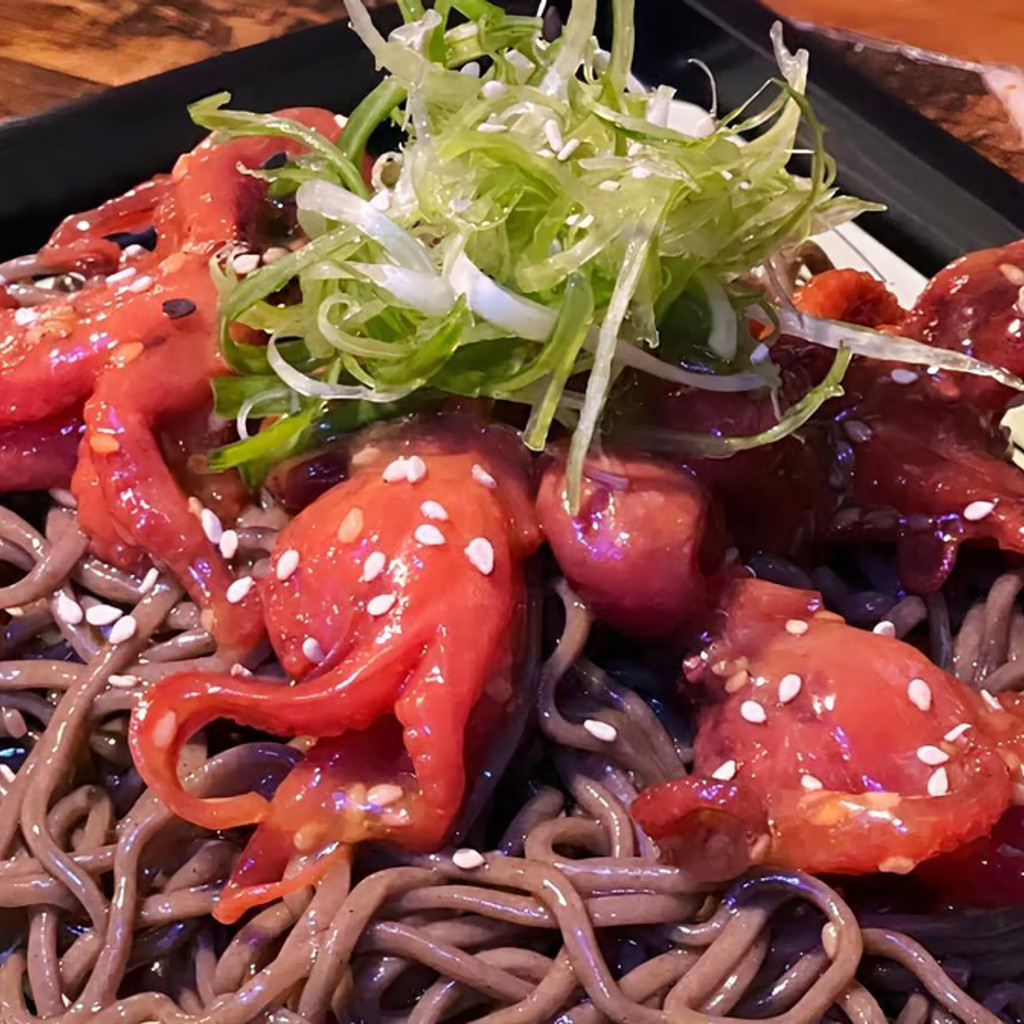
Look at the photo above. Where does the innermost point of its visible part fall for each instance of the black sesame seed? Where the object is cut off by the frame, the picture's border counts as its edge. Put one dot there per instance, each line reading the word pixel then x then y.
pixel 277 160
pixel 177 308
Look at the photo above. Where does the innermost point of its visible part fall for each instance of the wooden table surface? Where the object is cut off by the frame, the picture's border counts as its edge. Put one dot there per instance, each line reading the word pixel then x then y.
pixel 52 51
pixel 55 50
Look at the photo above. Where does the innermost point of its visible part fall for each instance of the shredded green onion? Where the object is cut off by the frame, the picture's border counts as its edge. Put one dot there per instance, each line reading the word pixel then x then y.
pixel 543 223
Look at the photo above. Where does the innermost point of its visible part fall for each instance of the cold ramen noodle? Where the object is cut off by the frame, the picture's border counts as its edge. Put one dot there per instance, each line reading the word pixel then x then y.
pixel 514 578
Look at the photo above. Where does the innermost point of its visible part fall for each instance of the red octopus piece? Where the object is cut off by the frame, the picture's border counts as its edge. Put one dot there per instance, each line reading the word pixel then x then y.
pixel 975 306
pixel 929 469
pixel 396 601
pixel 139 349
pixel 642 545
pixel 41 455
pixel 825 748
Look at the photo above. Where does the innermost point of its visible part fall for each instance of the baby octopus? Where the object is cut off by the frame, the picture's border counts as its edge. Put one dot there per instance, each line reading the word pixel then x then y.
pixel 825 748
pixel 91 382
pixel 395 602
pixel 929 464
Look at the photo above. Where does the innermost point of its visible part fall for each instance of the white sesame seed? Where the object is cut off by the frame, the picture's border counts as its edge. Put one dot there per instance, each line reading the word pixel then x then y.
pixel 760 353
pixel 931 755
pixel 273 254
pixel 472 69
pixel 140 284
pixel 164 730
pixel 25 316
pixel 149 580
pixel 133 251
pixel 978 510
pixel 751 711
pixel 572 220
pixel 990 699
pixel 340 120
pixel 246 263
pixel 938 782
pixel 553 134
pixel 239 670
pixel 1012 273
pixel 64 497
pixel 122 630
pixel 884 628
pixel 585 221
pixel 286 564
pixel 212 526
pixel 640 173
pixel 491 128
pixel 903 376
pixel 493 90
pixel 229 544
pixel 312 650
pixel 381 604
pixel 725 772
pixel 434 510
pixel 919 693
pixel 956 732
pixel 468 860
pixel 797 627
pixel 195 506
pixel 122 275
pixel 239 589
pixel 102 615
pixel 351 526
pixel 633 148
pixel 384 794
pixel 124 682
pixel 6 773
pixel 83 225
pixel 602 731
pixel 568 149
pixel 830 702
pixel 15 611
pixel 395 471
pixel 415 469
pixel 428 535
pixel 609 186
pixel 480 554
pixel 481 476
pixel 68 609
pixel 856 431
pixel 810 783
pixel 789 687
pixel 373 566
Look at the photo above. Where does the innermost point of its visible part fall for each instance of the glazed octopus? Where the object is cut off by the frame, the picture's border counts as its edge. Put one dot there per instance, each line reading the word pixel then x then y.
pixel 826 748
pixel 395 602
pixel 929 463
pixel 90 381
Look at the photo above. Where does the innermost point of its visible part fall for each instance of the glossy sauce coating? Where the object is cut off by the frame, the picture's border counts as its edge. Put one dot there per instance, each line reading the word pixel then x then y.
pixel 396 601
pixel 827 747
pixel 642 544
pixel 133 353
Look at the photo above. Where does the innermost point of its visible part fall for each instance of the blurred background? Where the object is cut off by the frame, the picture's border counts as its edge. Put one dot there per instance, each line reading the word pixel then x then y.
pixel 958 66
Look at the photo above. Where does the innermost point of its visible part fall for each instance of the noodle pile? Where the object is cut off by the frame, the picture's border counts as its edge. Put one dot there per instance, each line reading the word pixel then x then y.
pixel 105 898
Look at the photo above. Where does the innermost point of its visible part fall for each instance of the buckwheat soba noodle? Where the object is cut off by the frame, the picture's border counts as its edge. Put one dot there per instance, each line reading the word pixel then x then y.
pixel 457 607
pixel 107 897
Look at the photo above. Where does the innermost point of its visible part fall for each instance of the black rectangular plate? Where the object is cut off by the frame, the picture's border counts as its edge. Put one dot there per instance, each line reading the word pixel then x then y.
pixel 943 198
